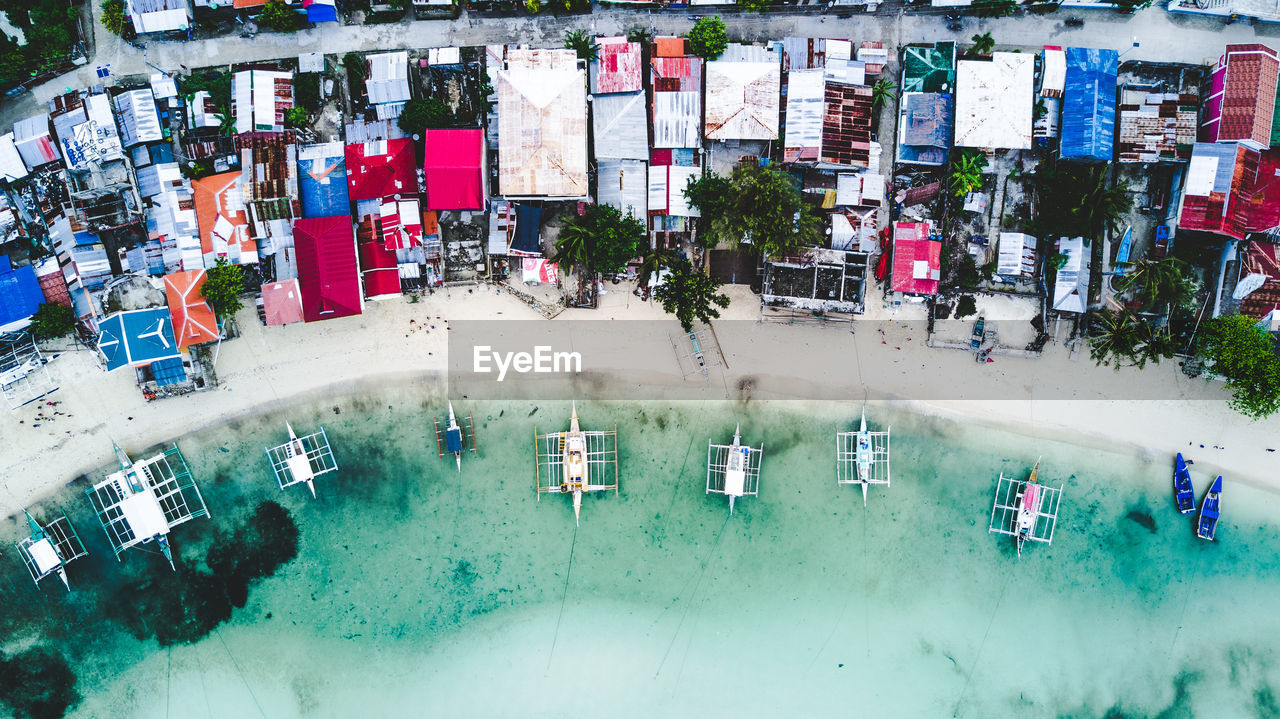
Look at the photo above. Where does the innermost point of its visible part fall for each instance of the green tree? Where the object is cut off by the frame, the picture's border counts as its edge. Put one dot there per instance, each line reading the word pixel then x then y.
pixel 1114 337
pixel 690 295
pixel 1245 354
pixel 52 320
pixel 708 37
pixel 353 63
pixel 113 16
pixel 882 92
pixel 982 44
pixel 994 8
pixel 967 173
pixel 654 261
pixel 758 205
pixel 755 5
pixel 582 43
pixel 1161 285
pixel 966 307
pixel 422 113
pixel 601 240
pixel 222 287
pixel 296 116
pixel 280 17
pixel 1078 201
pixel 640 35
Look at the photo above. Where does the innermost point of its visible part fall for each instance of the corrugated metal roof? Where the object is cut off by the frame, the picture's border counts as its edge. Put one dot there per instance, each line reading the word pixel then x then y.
pixel 1053 76
pixel 924 129
pixel 618 67
pixel 1017 257
pixel 1231 190
pixel 542 120
pixel 625 185
pixel 139 121
pixel 806 93
pixel 1071 288
pixel 917 260
pixel 620 126
pixel 259 99
pixel 1156 126
pixel 929 68
pixel 743 98
pixel 328 276
pixel 677 102
pixel 993 102
pixel 846 125
pixel 388 79
pixel 1089 104
pixel 1244 86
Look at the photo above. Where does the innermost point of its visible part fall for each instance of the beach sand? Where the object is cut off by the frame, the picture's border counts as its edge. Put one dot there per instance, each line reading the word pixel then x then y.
pixel 401 341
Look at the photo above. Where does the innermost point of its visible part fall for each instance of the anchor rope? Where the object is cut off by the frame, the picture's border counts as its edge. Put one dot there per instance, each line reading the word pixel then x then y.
pixel 698 582
pixel 564 597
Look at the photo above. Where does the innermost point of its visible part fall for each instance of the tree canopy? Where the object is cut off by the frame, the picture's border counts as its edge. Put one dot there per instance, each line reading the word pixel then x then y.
pixel 1160 285
pixel 603 239
pixel 1246 355
pixel 280 17
pixel 113 16
pixel 52 320
pixel 582 43
pixel 759 205
pixel 422 113
pixel 690 295
pixel 1078 201
pixel 708 38
pixel 1122 338
pixel 222 287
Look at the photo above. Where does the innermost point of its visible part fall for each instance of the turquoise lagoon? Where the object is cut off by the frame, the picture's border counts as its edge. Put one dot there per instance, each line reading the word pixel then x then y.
pixel 419 591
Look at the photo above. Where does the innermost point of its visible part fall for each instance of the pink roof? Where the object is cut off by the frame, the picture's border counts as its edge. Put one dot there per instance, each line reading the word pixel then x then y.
pixel 193 320
pixel 379 271
pixel 282 302
pixel 327 273
pixel 618 66
pixel 381 168
pixel 453 162
pixel 917 260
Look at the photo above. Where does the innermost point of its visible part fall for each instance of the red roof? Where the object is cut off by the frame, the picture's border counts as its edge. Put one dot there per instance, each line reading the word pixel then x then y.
pixel 220 214
pixel 327 273
pixel 668 47
pixel 1248 93
pixel 282 302
pixel 1262 258
pixel 453 162
pixel 917 260
pixel 618 66
pixel 1252 202
pixel 193 320
pixel 381 168
pixel 378 270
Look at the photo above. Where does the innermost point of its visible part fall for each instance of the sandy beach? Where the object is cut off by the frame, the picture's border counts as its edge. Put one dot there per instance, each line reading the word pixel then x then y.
pixel 1056 395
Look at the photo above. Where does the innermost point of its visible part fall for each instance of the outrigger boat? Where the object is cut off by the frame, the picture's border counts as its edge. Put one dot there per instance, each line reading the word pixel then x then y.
pixel 1208 523
pixel 1183 493
pixel 862 457
pixel 734 469
pixel 456 436
pixel 1025 510
pixel 50 548
pixel 302 459
pixel 576 461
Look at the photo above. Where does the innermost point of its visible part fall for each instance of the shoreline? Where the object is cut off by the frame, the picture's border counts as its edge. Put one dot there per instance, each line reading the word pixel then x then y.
pixel 395 343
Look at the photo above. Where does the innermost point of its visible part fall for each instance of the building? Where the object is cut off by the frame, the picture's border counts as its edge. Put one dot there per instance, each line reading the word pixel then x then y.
pixel 281 303
pixel 1156 126
pixel 381 168
pixel 322 180
pixel 825 282
pixel 1260 275
pixel 320 11
pixel 388 78
pixel 454 168
pixel 379 271
pixel 12 168
pixel 929 68
pixel 223 220
pixel 846 126
pixel 620 125
pixel 743 94
pixel 158 15
pixel 328 276
pixel 806 104
pixel 34 140
pixel 1071 284
pixel 1242 97
pixel 1231 190
pixel 624 184
pixel 617 67
pixel 172 220
pixel 924 128
pixel 139 121
pixel 259 100
pixel 20 295
pixel 193 320
pixel 137 338
pixel 917 259
pixel 675 79
pixel 1016 259
pixel 994 103
pixel 1089 105
pixel 542 125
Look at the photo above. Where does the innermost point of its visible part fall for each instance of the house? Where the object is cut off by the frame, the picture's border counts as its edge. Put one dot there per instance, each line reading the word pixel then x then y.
pixel 994 103
pixel 320 11
pixel 223 220
pixel 260 98
pixel 666 189
pixel 676 84
pixel 620 126
pixel 806 104
pixel 454 167
pixel 12 168
pixel 20 295
pixel 139 121
pixel 929 68
pixel 743 94
pixel 158 15
pixel 34 140
pixel 322 180
pixel 1156 126
pixel 542 125
pixel 172 220
pixel 281 302
pixel 825 282
pixel 924 128
pixel 1017 256
pixel 381 168
pixel 1089 105
pixel 1260 276
pixel 137 338
pixel 388 78
pixel 1242 97
pixel 379 271
pixel 269 186
pixel 1071 285
pixel 624 184
pixel 1231 190
pixel 193 320
pixel 328 276
pixel 617 66
pixel 917 259
pixel 86 130
pixel 846 126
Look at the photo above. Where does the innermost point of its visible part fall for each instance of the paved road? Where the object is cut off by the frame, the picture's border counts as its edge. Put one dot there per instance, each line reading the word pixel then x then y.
pixel 1163 37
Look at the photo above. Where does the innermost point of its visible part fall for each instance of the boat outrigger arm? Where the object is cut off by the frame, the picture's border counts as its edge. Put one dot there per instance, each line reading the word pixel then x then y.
pixel 38 535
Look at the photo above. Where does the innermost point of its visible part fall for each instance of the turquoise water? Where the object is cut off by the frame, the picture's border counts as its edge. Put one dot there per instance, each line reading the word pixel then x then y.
pixel 418 590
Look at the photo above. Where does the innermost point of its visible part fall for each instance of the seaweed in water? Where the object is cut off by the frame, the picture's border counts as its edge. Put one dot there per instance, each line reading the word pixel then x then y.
pixel 37 684
pixel 1144 519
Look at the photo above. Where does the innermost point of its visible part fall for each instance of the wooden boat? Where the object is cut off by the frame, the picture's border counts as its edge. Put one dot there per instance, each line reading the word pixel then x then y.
pixel 862 457
pixel 1028 507
pixel 1183 492
pixel 1208 522
pixel 576 462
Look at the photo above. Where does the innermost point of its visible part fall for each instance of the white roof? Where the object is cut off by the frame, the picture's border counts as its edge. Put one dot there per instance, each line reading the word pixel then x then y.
pixel 253 99
pixel 993 102
pixel 1072 283
pixel 45 556
pixel 172 18
pixel 1200 174
pixel 388 79
pixel 1053 79
pixel 805 99
pixel 1017 254
pixel 311 62
pixel 139 121
pixel 163 86
pixel 143 514
pixel 666 189
pixel 11 165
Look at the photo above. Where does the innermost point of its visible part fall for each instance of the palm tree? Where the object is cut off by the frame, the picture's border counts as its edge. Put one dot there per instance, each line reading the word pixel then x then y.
pixel 640 35
pixel 573 248
pixel 1114 337
pixel 582 43
pixel 982 44
pixel 881 92
pixel 654 261
pixel 1154 344
pixel 1101 206
pixel 966 173
pixel 1159 283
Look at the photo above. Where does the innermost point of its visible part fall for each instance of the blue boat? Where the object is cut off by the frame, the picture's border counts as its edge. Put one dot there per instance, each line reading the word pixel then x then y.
pixel 1209 511
pixel 1183 492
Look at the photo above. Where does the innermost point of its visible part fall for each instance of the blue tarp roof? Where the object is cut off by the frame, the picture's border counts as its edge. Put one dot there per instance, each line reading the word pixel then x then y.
pixel 168 372
pixel 528 227
pixel 137 337
pixel 20 294
pixel 1089 104
pixel 322 182
pixel 321 13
